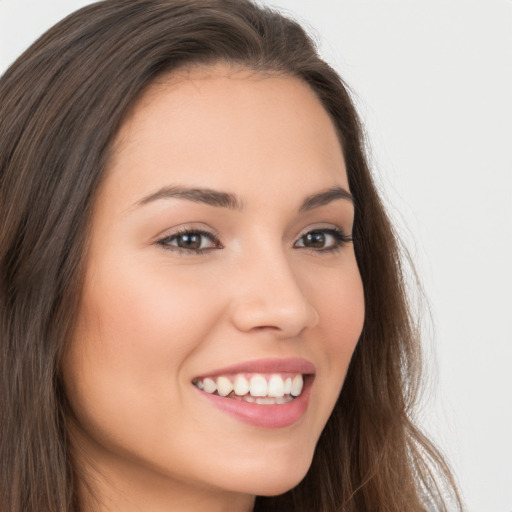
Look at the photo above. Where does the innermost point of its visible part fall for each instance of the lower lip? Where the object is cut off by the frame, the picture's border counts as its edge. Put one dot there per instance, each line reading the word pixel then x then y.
pixel 265 416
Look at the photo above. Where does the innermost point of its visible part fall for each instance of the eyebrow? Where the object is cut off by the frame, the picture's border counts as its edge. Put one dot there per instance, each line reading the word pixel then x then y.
pixel 197 195
pixel 227 200
pixel 326 197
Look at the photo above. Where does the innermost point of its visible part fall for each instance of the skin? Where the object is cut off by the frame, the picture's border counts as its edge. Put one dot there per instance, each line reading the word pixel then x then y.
pixel 152 317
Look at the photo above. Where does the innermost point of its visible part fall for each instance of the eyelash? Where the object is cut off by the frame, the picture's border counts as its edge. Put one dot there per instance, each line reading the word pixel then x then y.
pixel 165 242
pixel 340 239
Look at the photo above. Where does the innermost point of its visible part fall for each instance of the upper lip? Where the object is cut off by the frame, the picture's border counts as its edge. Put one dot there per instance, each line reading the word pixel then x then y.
pixel 288 365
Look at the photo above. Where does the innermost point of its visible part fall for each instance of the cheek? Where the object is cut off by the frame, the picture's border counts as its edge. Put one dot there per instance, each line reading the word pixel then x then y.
pixel 339 300
pixel 134 333
pixel 340 304
pixel 344 313
pixel 148 317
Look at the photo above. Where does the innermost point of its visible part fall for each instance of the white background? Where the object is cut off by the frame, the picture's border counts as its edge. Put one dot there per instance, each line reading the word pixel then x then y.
pixel 434 86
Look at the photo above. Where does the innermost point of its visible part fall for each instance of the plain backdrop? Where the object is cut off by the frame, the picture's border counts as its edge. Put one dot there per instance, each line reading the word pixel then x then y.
pixel 433 83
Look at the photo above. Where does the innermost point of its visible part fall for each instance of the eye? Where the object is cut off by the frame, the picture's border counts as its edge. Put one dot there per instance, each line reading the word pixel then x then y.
pixel 323 240
pixel 192 241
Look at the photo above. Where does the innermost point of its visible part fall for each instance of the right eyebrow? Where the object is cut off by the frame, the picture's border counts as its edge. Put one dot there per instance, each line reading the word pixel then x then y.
pixel 326 197
pixel 197 195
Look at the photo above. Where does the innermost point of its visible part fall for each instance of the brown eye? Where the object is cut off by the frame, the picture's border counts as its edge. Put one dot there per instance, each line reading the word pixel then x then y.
pixel 190 241
pixel 323 240
pixel 315 240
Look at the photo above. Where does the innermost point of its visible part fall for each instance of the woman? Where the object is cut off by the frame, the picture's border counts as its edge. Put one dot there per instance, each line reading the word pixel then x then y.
pixel 202 304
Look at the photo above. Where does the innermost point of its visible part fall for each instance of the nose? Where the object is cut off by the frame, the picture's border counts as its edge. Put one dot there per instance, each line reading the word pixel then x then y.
pixel 269 296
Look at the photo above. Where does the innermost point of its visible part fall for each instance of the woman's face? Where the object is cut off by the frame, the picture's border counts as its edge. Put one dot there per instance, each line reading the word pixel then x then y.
pixel 220 257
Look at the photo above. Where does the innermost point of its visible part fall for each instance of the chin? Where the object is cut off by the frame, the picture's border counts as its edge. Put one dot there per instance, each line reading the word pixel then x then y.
pixel 274 479
pixel 277 488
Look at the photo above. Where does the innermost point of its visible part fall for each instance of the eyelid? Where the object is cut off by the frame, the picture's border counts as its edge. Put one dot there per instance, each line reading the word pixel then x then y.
pixel 340 235
pixel 163 240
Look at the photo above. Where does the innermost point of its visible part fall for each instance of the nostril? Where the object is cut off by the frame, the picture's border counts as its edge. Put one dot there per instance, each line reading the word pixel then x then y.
pixel 266 327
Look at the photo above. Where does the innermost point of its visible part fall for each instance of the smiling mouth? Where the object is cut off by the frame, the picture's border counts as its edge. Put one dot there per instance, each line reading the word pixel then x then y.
pixel 256 388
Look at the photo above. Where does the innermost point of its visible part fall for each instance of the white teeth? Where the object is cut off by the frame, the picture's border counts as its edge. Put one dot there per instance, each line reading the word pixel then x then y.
pixel 288 386
pixel 261 389
pixel 209 385
pixel 275 386
pixel 241 385
pixel 224 386
pixel 297 385
pixel 258 385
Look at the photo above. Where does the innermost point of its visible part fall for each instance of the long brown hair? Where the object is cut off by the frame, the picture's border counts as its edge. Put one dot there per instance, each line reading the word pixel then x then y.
pixel 61 105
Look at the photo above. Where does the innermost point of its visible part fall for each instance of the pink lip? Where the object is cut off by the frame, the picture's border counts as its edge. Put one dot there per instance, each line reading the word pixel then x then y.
pixel 289 365
pixel 265 416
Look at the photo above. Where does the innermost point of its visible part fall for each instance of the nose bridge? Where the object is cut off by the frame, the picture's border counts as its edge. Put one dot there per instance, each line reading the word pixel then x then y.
pixel 269 294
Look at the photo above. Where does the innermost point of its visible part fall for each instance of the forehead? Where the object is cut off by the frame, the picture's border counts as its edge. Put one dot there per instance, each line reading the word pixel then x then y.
pixel 212 126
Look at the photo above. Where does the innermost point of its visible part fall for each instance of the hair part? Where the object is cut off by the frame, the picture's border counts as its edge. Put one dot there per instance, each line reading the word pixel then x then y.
pixel 61 105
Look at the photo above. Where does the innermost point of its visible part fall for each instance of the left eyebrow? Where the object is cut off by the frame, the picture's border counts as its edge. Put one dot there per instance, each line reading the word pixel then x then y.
pixel 197 195
pixel 326 197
